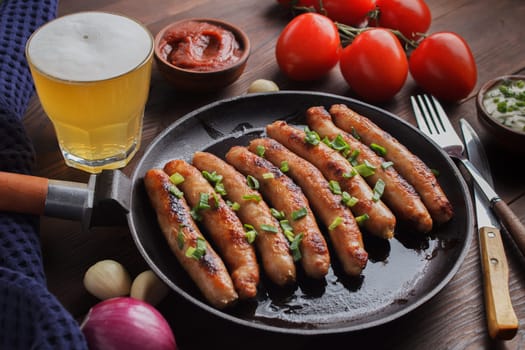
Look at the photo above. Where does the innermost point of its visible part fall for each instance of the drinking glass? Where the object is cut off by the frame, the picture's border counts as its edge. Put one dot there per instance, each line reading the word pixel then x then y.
pixel 92 73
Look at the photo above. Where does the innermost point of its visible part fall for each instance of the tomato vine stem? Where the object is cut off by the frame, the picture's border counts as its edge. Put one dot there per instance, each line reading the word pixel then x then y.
pixel 348 33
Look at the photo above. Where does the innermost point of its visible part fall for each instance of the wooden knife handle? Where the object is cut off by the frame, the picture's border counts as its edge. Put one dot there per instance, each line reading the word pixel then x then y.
pixel 501 318
pixel 22 193
pixel 512 223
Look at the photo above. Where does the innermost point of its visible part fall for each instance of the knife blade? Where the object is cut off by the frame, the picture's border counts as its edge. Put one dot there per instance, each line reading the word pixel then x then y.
pixel 501 318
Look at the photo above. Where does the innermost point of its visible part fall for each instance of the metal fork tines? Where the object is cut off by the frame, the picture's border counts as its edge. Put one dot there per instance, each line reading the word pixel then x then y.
pixel 433 121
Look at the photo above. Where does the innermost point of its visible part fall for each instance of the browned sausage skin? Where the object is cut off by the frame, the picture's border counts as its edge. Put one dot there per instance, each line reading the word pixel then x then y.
pixel 411 167
pixel 398 194
pixel 173 215
pixel 224 227
pixel 284 195
pixel 339 221
pixel 273 247
pixel 381 222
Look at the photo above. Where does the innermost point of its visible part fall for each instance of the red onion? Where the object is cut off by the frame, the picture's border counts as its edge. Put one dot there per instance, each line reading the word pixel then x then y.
pixel 127 323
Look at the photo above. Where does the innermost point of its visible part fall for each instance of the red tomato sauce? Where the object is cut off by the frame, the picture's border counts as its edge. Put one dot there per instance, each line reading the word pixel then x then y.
pixel 200 46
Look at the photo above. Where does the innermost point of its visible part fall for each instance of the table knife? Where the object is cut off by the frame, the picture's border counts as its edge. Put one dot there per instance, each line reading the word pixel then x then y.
pixel 501 318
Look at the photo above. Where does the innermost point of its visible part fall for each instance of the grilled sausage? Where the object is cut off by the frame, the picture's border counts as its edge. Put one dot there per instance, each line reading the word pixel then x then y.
pixel 173 215
pixel 398 194
pixel 284 195
pixel 273 247
pixel 411 167
pixel 224 227
pixel 381 222
pixel 342 227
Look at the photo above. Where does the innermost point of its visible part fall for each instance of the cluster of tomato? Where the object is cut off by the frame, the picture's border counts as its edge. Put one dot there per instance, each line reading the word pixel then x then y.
pixel 376 43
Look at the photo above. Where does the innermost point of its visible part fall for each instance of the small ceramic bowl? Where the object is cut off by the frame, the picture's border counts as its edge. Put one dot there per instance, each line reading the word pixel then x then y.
pixel 192 79
pixel 512 139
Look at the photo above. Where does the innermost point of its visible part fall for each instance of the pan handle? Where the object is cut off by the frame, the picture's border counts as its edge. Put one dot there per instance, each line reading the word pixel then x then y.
pixel 22 193
pixel 40 196
pixel 103 201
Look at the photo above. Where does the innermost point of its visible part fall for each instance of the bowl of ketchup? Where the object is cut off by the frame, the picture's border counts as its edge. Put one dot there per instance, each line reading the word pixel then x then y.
pixel 201 54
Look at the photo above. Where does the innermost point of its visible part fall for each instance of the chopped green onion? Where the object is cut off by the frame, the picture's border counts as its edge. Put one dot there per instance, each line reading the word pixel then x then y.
pixel 176 192
pixel 250 236
pixel 212 177
pixel 361 218
pixel 337 221
pixel 252 197
pixel 203 202
pixel 268 176
pixel 300 213
pixel 350 174
pixel 365 169
pixel 379 189
pixel 311 137
pixel 326 141
pixel 279 215
pixel 234 205
pixel 294 246
pixel 251 233
pixel 284 166
pixel 289 235
pixel 380 150
pixel 216 198
pixel 180 237
pixel 198 251
pixel 260 150
pixel 353 156
pixel 269 228
pixel 435 172
pixel 340 145
pixel 348 200
pixel 219 188
pixel 386 165
pixel 252 182
pixel 334 187
pixel 285 225
pixel 176 179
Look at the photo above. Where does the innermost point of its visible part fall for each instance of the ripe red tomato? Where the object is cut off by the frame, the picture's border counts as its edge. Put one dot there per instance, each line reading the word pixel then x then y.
pixel 351 12
pixel 408 16
pixel 308 47
pixel 443 65
pixel 375 65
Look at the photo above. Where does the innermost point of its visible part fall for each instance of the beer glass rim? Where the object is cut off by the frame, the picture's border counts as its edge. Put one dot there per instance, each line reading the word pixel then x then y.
pixel 148 57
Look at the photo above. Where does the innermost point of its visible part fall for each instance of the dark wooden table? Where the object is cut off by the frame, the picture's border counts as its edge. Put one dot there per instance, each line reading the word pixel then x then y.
pixel 454 319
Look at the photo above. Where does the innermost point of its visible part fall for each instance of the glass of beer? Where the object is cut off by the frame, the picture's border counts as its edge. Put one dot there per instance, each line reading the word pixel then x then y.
pixel 92 72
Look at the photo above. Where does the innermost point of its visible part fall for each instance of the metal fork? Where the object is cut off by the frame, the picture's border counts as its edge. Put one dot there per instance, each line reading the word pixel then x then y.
pixel 433 121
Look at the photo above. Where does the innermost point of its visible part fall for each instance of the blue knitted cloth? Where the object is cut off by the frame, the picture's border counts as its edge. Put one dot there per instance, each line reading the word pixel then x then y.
pixel 30 316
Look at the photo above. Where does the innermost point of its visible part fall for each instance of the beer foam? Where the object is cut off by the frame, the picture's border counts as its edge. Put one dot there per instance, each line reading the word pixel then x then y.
pixel 89 46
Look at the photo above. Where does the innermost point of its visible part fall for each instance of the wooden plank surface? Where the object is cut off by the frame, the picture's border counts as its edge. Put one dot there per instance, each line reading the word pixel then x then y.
pixel 454 319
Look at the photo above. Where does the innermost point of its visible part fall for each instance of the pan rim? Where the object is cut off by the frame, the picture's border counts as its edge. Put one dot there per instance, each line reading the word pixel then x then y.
pixel 303 331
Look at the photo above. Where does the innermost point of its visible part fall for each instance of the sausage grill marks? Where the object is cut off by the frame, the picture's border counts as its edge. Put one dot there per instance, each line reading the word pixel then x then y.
pixel 285 196
pixel 277 261
pixel 411 167
pixel 399 195
pixel 334 166
pixel 173 214
pixel 339 221
pixel 224 227
pixel 322 177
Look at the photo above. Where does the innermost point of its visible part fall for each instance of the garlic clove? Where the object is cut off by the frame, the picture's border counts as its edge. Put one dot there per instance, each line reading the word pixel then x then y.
pixel 149 287
pixel 262 85
pixel 107 279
